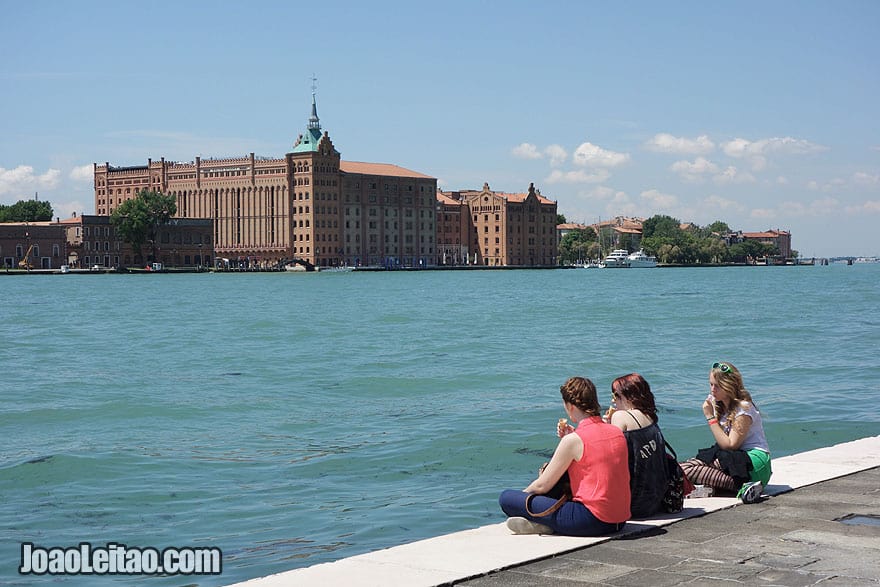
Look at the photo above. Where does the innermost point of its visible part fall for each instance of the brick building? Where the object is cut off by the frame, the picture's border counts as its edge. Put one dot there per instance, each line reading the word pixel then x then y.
pixel 309 204
pixel 41 244
pixel 483 227
pixel 92 240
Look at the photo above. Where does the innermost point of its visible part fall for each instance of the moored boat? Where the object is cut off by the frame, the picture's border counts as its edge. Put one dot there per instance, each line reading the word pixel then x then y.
pixel 619 258
pixel 640 259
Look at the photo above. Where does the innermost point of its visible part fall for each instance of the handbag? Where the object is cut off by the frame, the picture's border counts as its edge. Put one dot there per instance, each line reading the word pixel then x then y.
pixel 561 491
pixel 677 483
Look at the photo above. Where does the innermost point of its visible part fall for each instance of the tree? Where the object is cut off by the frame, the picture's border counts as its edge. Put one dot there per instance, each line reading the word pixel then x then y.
pixel 560 219
pixel 575 244
pixel 138 220
pixel 661 226
pixel 26 211
pixel 718 227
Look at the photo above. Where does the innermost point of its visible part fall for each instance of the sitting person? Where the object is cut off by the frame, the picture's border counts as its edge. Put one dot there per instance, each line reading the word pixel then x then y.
pixel 634 412
pixel 595 458
pixel 740 458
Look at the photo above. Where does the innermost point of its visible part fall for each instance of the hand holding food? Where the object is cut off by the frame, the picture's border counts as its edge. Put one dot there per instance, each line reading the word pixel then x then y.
pixel 563 427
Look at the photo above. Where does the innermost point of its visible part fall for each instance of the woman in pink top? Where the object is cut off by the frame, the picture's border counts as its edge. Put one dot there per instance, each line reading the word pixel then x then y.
pixel 596 460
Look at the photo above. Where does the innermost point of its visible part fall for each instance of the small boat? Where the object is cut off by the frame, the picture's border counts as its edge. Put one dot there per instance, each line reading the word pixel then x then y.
pixel 640 259
pixel 296 267
pixel 619 258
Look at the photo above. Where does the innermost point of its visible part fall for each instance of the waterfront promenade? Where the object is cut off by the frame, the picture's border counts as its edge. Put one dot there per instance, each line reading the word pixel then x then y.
pixel 819 523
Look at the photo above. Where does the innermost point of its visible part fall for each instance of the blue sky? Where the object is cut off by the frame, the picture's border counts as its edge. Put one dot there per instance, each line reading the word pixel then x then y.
pixel 761 114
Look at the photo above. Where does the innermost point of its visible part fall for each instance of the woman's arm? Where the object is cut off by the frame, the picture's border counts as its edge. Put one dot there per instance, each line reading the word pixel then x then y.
pixel 565 453
pixel 738 432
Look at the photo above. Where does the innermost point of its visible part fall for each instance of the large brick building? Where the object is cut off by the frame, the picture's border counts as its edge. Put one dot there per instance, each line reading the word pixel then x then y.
pixel 309 204
pixel 483 227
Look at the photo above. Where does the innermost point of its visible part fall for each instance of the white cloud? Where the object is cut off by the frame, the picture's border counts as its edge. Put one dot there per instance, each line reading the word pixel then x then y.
pixel 83 173
pixel 782 180
pixel 659 200
pixel 716 203
pixel 869 207
pixel 755 152
pixel 66 209
pixel 694 172
pixel 666 143
pixel 21 181
pixel 590 155
pixel 862 178
pixel 763 213
pixel 600 192
pixel 828 187
pixel 816 208
pixel 526 151
pixel 578 176
pixel 556 154
pixel 733 175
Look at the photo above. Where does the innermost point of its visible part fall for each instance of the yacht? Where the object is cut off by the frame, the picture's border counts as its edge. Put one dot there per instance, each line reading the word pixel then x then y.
pixel 640 259
pixel 617 258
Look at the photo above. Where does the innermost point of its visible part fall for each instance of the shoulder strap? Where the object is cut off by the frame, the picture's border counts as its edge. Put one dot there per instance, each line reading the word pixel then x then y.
pixel 631 415
pixel 670 449
pixel 559 503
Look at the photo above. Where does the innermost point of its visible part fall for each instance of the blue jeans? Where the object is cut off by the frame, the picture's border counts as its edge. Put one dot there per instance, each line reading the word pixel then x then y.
pixel 572 519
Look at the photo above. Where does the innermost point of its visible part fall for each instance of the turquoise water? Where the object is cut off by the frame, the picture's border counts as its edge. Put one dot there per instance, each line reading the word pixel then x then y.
pixel 293 419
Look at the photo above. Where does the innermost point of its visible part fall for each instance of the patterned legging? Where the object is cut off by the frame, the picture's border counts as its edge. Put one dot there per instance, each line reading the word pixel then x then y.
pixel 712 475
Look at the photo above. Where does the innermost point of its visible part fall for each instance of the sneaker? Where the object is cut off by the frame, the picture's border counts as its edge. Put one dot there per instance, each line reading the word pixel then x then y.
pixel 750 492
pixel 524 526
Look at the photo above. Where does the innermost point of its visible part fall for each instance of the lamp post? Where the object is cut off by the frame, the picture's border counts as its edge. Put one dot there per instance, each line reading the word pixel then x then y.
pixel 27 252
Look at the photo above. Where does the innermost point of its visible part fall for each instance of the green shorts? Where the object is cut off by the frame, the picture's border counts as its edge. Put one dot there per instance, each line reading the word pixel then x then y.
pixel 761 470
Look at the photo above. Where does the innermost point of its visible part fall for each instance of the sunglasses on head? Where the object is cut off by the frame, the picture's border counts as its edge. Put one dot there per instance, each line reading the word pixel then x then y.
pixel 725 368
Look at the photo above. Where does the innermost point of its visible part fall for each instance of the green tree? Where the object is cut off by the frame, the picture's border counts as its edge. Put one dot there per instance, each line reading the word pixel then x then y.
pixel 662 226
pixel 26 211
pixel 560 219
pixel 138 220
pixel 576 244
pixel 718 227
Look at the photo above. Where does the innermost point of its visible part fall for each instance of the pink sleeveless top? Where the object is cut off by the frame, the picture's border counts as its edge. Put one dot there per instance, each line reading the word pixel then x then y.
pixel 600 479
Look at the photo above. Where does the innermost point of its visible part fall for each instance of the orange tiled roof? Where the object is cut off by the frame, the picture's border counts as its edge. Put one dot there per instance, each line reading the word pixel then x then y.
pixel 379 169
pixel 767 234
pixel 571 226
pixel 522 197
pixel 445 199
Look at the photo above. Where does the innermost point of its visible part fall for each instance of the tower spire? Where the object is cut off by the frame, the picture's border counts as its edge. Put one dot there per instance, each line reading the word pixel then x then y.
pixel 314 122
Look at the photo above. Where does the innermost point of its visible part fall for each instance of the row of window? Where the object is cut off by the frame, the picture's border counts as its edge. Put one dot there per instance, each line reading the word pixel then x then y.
pixel 35 251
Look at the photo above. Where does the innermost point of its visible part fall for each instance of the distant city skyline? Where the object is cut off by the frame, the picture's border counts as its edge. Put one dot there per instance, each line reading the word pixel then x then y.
pixel 764 116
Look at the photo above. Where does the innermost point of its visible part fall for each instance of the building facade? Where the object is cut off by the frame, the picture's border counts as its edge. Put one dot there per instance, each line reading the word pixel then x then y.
pixel 92 240
pixel 484 227
pixel 32 245
pixel 308 205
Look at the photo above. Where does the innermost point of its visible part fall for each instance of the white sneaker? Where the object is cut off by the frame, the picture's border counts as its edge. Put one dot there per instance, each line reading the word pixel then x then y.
pixel 750 492
pixel 524 526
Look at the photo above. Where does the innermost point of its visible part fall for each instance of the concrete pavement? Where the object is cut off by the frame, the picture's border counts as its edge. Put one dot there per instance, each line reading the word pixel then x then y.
pixel 819 522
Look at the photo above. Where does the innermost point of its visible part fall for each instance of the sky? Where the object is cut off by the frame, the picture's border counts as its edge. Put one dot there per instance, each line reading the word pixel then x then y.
pixel 764 115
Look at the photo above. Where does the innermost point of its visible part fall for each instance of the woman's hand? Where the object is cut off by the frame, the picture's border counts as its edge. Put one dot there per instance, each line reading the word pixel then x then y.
pixel 709 406
pixel 563 428
pixel 607 417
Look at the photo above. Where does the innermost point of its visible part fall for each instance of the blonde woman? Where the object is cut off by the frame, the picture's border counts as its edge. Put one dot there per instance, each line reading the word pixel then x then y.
pixel 740 459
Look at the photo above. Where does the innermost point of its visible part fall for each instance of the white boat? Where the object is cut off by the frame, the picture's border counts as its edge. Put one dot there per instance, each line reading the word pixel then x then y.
pixel 619 258
pixel 640 259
